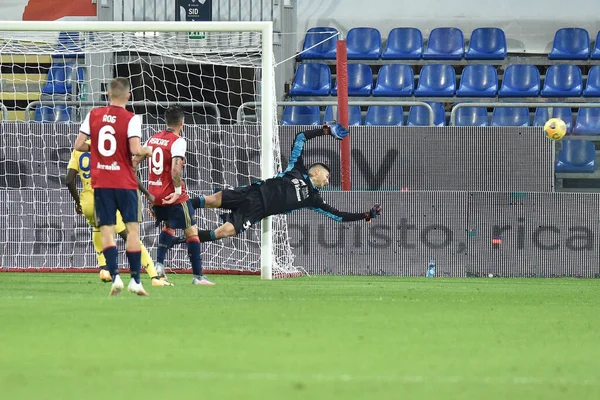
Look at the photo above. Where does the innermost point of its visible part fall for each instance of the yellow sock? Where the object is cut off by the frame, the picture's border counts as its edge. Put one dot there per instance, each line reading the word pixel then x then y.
pixel 147 262
pixel 97 240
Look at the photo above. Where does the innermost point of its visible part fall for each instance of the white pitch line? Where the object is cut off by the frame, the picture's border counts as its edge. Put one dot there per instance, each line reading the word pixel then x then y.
pixel 340 377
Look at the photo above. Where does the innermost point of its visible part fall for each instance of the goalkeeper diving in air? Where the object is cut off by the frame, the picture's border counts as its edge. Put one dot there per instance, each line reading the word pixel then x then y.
pixel 295 188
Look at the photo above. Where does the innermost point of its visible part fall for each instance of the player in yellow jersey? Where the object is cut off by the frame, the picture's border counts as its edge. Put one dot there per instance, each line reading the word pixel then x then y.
pixel 84 205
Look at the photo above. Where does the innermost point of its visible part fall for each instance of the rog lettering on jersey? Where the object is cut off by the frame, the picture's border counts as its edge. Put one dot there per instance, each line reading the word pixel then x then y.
pixel 159 142
pixel 155 183
pixel 111 119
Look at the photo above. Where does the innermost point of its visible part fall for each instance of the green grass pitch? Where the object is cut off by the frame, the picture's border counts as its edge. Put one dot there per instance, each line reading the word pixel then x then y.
pixel 348 338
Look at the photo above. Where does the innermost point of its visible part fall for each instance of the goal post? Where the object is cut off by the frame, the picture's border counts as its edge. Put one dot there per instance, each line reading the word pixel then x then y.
pixel 268 118
pixel 226 46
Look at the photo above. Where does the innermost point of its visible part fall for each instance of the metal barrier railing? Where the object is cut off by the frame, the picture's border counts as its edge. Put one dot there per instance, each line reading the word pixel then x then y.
pixel 240 112
pixel 184 104
pixel 4 112
pixel 509 105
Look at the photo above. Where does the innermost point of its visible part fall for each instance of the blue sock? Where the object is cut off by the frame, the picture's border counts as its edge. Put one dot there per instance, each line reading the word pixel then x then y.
pixel 111 255
pixel 165 242
pixel 135 264
pixel 197 202
pixel 195 257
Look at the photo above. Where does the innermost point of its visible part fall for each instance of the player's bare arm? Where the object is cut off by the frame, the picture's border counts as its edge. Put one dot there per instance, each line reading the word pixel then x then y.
pixel 144 190
pixel 176 170
pixel 137 160
pixel 70 181
pixel 80 142
pixel 136 163
pixel 136 148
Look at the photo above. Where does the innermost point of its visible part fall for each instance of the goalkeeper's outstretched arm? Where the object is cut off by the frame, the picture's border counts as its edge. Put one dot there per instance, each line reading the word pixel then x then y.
pixel 296 161
pixel 341 216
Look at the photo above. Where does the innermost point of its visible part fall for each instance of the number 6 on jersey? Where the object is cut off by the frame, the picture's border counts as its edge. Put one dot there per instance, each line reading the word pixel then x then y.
pixel 107 134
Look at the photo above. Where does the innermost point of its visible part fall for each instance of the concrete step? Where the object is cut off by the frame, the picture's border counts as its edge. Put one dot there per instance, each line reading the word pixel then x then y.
pixel 19 79
pixel 19 96
pixel 25 59
pixel 18 115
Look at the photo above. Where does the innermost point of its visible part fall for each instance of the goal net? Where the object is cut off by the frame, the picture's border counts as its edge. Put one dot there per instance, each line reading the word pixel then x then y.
pixel 53 73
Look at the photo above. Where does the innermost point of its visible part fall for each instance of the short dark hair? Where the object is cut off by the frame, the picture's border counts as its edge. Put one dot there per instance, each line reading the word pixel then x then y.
pixel 319 165
pixel 174 115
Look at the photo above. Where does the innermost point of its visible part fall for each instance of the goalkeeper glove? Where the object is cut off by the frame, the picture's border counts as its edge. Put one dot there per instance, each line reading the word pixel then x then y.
pixel 336 130
pixel 373 212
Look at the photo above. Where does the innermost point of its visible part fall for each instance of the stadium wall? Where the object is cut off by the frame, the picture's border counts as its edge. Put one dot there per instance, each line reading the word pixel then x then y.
pixel 467 233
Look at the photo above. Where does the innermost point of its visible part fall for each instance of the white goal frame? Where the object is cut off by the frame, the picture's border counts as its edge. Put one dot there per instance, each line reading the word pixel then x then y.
pixel 267 82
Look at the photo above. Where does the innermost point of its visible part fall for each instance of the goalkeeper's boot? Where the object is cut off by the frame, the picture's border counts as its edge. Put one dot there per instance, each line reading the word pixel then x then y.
pixel 136 288
pixel 202 281
pixel 157 281
pixel 117 286
pixel 105 276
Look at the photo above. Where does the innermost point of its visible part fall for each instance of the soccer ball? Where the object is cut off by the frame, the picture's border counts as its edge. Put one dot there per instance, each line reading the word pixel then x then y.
pixel 555 128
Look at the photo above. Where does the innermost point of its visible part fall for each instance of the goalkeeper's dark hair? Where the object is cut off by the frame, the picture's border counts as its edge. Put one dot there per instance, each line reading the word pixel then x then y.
pixel 174 115
pixel 324 166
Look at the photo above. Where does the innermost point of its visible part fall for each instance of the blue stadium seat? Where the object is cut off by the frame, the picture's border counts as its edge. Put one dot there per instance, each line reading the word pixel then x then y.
pixel 570 44
pixel 520 80
pixel 419 115
pixel 487 44
pixel 587 121
pixel 478 81
pixel 576 156
pixel 60 78
pixel 403 44
pixel 311 79
pixel 471 116
pixel 563 81
pixel 354 116
pixel 301 115
pixel 69 46
pixel 57 113
pixel 445 44
pixel 360 80
pixel 436 80
pixel 592 87
pixel 323 51
pixel 363 44
pixel 385 115
pixel 542 115
pixel 510 116
pixel 596 51
pixel 395 80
